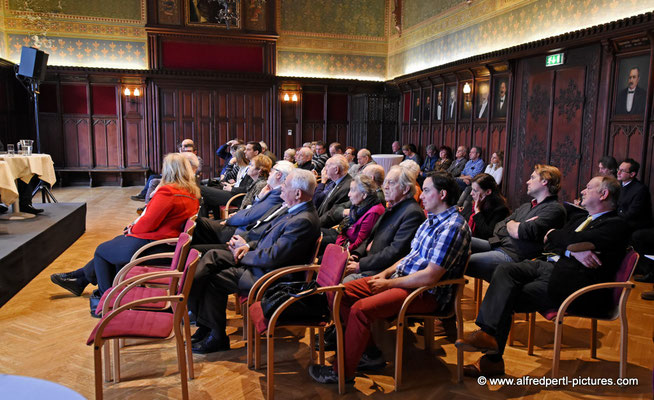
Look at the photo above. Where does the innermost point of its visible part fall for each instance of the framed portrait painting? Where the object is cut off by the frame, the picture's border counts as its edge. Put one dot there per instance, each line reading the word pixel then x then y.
pixel 482 106
pixel 500 97
pixel 208 13
pixel 439 104
pixel 450 104
pixel 631 85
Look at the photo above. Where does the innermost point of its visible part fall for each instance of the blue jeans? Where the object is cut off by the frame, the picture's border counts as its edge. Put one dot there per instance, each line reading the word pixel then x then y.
pixel 484 259
pixel 147 184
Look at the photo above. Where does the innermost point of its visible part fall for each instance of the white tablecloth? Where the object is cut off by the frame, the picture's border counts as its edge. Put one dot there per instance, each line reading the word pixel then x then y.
pixel 23 167
pixel 387 160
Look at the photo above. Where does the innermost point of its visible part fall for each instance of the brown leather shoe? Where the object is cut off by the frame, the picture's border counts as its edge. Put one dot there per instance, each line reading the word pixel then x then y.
pixel 477 341
pixel 484 367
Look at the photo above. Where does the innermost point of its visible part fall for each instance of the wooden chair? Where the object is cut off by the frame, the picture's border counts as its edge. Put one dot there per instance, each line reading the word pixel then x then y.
pixel 330 275
pixel 116 295
pixel 242 302
pixel 125 321
pixel 403 316
pixel 228 208
pixel 622 287
pixel 189 227
pixel 135 267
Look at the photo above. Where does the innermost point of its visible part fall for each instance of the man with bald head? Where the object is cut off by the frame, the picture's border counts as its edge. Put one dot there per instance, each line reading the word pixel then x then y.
pixel 303 158
pixel 459 162
pixel 364 158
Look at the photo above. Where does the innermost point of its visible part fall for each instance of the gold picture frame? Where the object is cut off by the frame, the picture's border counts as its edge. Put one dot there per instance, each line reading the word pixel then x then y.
pixel 205 13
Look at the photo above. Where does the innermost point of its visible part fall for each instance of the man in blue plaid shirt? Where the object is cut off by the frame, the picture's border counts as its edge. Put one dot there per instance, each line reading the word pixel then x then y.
pixel 438 252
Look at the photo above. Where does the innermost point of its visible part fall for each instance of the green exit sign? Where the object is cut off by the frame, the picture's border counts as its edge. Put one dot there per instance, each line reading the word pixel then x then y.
pixel 554 59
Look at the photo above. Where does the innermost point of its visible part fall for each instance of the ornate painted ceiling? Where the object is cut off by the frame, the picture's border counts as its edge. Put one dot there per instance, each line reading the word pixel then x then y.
pixel 94 33
pixel 327 38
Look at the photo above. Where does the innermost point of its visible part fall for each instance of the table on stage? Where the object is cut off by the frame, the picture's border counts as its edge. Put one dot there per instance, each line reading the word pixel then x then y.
pixel 387 160
pixel 21 167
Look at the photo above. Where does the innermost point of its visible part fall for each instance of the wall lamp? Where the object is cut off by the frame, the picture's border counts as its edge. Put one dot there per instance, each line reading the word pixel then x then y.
pixel 292 97
pixel 132 95
pixel 466 92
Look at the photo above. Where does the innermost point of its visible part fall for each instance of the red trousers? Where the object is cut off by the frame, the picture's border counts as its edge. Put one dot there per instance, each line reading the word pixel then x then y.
pixel 360 307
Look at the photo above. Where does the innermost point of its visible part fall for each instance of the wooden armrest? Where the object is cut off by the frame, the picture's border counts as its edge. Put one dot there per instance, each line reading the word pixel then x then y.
pixel 125 286
pixel 257 287
pixel 106 319
pixel 123 271
pixel 273 319
pixel 581 246
pixel 606 285
pixel 152 244
pixel 418 291
pixel 236 196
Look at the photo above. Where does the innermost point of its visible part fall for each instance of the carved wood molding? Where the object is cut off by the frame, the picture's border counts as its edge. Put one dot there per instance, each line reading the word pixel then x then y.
pixel 565 155
pixel 569 101
pixel 627 129
pixel 103 121
pixel 538 103
pixel 499 127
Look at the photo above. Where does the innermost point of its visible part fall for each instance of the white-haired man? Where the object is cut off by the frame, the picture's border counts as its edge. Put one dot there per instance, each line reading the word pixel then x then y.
pixel 289 239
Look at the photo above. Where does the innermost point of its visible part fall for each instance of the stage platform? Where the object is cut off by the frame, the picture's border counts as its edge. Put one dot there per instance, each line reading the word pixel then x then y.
pixel 29 246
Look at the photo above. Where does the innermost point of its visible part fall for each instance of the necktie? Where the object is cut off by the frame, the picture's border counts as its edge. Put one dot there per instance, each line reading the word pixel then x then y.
pixel 279 211
pixel 584 224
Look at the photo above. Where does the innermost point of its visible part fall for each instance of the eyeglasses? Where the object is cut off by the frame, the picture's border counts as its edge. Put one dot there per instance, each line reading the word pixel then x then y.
pixel 623 171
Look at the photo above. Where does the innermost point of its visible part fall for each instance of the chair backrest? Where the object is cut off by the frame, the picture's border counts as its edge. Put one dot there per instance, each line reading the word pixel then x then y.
pixel 317 249
pixel 333 265
pixel 185 282
pixel 624 273
pixel 184 286
pixel 181 251
pixel 189 226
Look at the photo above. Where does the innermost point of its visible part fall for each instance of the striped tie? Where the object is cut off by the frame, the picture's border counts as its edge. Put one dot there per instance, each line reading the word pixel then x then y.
pixel 584 224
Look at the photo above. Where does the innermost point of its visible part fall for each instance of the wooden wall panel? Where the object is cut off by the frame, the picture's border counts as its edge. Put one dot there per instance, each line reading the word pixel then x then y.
pixel 84 142
pixel 567 128
pixel 134 141
pixel 497 139
pixel 52 138
pixel 449 137
pixel 464 136
pixel 480 138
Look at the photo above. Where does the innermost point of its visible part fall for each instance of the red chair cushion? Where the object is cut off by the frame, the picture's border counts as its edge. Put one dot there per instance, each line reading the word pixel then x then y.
pixel 140 270
pixel 136 293
pixel 256 313
pixel 549 314
pixel 135 323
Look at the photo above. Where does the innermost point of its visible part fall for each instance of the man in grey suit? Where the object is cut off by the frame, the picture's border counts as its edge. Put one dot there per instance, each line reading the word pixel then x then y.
pixel 459 162
pixel 290 238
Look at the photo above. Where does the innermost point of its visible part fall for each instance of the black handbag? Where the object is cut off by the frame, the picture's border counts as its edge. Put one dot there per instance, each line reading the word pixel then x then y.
pixel 310 308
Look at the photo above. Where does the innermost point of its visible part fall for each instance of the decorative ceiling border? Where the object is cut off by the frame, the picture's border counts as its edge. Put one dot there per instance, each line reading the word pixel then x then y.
pixel 55 16
pixel 78 29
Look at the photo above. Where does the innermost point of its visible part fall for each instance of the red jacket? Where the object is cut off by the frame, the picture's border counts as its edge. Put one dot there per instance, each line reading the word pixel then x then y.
pixel 166 214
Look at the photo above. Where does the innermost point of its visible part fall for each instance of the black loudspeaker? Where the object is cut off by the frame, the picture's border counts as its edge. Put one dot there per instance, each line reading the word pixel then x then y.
pixel 33 63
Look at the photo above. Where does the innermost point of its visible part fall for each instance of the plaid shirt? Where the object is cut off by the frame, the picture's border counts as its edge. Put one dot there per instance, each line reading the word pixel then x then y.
pixel 444 240
pixel 473 168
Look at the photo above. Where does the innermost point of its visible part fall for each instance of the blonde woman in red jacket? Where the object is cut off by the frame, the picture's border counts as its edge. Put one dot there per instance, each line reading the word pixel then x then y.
pixel 176 199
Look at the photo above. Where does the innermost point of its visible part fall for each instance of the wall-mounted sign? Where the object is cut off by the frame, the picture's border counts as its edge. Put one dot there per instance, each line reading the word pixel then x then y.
pixel 555 59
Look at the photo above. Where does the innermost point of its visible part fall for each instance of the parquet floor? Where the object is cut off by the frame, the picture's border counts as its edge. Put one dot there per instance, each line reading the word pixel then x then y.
pixel 43 330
